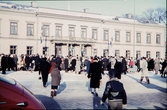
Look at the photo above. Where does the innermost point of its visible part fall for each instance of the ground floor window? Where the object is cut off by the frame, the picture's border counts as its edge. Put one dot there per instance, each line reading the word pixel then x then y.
pixel 157 54
pixel 127 54
pixel 105 52
pixel 13 49
pixel 117 53
pixel 148 54
pixel 29 50
pixel 95 52
pixel 45 50
pixel 138 54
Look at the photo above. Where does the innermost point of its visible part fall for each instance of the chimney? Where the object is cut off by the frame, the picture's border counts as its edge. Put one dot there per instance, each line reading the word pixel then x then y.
pixel 33 4
pixel 128 15
pixel 86 10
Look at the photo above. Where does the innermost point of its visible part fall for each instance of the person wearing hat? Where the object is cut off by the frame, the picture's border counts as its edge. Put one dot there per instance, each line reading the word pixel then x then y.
pixel 95 76
pixel 114 91
pixel 55 81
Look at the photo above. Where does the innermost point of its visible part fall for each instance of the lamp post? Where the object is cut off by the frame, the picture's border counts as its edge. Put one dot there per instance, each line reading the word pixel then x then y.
pixel 134 32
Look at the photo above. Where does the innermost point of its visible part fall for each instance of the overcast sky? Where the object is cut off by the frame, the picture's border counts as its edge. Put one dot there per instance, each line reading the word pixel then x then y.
pixel 105 7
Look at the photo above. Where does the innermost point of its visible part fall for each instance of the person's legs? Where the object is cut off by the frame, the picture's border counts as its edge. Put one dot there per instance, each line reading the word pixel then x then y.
pixel 97 91
pixel 140 81
pixel 147 80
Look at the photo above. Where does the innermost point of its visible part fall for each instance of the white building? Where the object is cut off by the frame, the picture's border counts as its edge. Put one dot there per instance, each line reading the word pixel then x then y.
pixel 28 30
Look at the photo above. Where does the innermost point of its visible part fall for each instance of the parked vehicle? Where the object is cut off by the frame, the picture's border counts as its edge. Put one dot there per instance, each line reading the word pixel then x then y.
pixel 14 96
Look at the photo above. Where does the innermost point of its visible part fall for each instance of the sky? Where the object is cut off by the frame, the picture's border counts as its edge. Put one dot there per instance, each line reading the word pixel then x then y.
pixel 105 7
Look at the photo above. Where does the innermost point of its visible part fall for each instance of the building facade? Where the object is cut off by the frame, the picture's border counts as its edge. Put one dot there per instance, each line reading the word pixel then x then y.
pixel 61 32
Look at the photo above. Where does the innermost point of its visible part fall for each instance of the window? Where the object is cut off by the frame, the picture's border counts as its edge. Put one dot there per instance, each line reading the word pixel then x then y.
pixel 58 31
pixel 105 36
pixel 45 29
pixel 158 38
pixel 95 52
pixel 13 49
pixel 138 54
pixel 148 54
pixel 138 37
pixel 128 36
pixel 83 32
pixel 71 31
pixel 94 33
pixel 29 50
pixel 127 54
pixel 13 28
pixel 45 50
pixel 105 52
pixel 148 38
pixel 117 36
pixel 117 53
pixel 30 29
pixel 157 54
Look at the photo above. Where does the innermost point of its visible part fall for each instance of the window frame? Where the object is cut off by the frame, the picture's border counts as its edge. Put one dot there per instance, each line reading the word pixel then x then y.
pixel 138 33
pixel 105 32
pixel 83 32
pixel 59 30
pixel 29 50
pixel 11 32
pixel 71 30
pixel 94 34
pixel 128 36
pixel 30 28
pixel 148 41
pixel 45 27
pixel 117 36
pixel 158 41
pixel 13 49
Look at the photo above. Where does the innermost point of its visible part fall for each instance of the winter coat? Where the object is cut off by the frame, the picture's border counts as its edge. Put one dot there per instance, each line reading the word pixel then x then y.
pixel 95 74
pixel 78 64
pixel 56 77
pixel 144 69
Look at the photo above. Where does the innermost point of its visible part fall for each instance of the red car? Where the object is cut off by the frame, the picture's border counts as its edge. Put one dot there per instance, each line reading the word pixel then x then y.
pixel 14 96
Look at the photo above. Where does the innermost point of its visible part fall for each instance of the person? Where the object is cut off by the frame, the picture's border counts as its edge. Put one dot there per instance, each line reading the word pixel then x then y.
pixel 115 92
pixel 95 76
pixel 44 68
pixel 55 80
pixel 3 63
pixel 78 66
pixel 144 70
pixel 118 67
pixel 156 65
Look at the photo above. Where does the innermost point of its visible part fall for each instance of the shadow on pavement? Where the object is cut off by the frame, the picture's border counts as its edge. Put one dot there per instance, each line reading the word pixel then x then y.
pixel 88 85
pixel 49 103
pixel 150 86
pixel 159 78
pixel 8 72
pixel 96 103
pixel 61 88
pixel 156 107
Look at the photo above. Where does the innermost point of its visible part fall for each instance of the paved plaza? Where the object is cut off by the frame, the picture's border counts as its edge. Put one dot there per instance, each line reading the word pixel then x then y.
pixel 74 91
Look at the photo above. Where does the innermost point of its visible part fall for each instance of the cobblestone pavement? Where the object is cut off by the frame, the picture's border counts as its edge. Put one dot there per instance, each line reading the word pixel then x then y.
pixel 74 91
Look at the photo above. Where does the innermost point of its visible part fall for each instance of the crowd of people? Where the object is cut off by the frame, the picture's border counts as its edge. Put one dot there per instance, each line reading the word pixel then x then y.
pixel 92 66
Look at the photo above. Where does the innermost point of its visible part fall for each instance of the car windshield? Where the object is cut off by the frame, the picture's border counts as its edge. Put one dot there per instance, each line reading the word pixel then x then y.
pixel 7 79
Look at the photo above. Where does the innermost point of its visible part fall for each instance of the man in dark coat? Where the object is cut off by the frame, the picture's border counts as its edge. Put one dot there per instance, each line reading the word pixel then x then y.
pixel 66 64
pixel 27 61
pixel 3 63
pixel 124 67
pixel 95 76
pixel 118 67
pixel 44 68
pixel 58 61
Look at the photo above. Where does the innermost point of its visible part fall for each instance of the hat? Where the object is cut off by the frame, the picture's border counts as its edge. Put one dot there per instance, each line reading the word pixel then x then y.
pixel 95 58
pixel 113 73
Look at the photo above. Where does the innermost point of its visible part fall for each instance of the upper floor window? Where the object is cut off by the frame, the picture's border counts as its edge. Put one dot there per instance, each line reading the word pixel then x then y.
pixel 138 37
pixel 148 38
pixel 117 36
pixel 106 35
pixel 157 38
pixel 83 32
pixel 45 29
pixel 13 28
pixel 58 31
pixel 13 49
pixel 30 29
pixel 29 50
pixel 71 31
pixel 128 36
pixel 94 33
